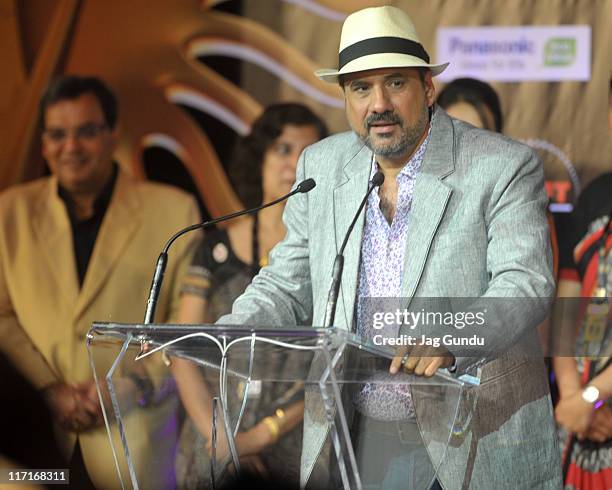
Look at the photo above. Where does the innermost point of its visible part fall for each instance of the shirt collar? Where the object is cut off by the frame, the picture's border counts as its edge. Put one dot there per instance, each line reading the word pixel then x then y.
pixel 102 201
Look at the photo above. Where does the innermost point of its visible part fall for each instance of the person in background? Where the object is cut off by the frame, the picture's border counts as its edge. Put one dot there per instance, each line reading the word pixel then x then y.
pixel 472 101
pixel 584 409
pixel 76 247
pixel 263 169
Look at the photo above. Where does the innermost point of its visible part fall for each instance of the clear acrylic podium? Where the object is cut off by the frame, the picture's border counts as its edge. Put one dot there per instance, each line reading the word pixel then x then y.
pixel 251 373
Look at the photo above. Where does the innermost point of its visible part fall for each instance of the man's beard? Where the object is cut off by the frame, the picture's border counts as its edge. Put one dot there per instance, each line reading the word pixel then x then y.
pixel 397 146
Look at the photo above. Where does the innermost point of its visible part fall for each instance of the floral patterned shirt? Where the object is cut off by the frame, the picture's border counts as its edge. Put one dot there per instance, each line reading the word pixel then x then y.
pixel 380 276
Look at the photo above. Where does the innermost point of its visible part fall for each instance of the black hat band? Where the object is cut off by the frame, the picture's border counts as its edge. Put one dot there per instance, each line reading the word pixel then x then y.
pixel 379 45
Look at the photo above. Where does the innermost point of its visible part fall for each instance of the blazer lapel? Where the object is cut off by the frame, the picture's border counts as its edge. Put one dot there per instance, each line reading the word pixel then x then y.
pixel 122 219
pixel 53 232
pixel 347 197
pixel 429 200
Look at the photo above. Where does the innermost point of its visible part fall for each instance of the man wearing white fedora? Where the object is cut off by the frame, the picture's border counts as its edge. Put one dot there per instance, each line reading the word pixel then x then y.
pixel 461 213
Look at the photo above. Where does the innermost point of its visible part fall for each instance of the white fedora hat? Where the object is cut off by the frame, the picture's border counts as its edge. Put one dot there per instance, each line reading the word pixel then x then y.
pixel 378 37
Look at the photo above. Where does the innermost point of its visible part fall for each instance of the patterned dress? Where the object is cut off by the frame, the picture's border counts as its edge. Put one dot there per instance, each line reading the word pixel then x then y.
pixel 588 464
pixel 219 276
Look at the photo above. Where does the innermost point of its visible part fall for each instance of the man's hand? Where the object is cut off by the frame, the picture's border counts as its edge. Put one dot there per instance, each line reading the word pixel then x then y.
pixel 67 408
pixel 125 390
pixel 90 401
pixel 421 360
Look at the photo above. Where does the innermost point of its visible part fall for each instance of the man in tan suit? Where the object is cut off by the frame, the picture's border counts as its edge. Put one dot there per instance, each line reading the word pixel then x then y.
pixel 77 247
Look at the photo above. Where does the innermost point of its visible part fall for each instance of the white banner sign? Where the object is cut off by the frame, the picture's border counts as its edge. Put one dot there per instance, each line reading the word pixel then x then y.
pixel 513 54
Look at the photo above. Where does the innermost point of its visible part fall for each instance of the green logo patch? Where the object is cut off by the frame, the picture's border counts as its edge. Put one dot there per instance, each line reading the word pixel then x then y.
pixel 560 51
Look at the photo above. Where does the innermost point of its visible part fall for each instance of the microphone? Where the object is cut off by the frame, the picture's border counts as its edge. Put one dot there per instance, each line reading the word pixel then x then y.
pixel 158 276
pixel 332 297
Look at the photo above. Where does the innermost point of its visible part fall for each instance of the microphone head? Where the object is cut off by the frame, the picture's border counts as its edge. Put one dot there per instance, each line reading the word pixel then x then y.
pixel 306 186
pixel 378 179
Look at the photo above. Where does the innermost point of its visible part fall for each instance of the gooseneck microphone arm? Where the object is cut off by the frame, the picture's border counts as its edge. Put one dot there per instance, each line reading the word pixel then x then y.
pixel 158 276
pixel 334 290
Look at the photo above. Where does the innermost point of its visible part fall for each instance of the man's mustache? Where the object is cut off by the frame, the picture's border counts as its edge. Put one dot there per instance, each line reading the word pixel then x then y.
pixel 387 116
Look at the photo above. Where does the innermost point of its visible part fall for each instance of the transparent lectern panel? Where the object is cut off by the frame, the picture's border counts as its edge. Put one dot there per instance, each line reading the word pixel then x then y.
pixel 140 411
pixel 256 380
pixel 242 382
pixel 294 406
pixel 399 424
pixel 277 355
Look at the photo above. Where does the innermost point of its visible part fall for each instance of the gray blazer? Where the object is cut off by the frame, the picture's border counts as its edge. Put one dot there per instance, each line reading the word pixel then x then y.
pixel 477 228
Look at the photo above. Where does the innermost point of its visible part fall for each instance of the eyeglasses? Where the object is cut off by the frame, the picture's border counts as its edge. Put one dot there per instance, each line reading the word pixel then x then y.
pixel 86 132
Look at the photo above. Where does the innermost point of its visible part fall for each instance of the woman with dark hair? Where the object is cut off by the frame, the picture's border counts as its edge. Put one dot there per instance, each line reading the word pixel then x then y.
pixel 584 409
pixel 583 365
pixel 280 129
pixel 473 101
pixel 262 169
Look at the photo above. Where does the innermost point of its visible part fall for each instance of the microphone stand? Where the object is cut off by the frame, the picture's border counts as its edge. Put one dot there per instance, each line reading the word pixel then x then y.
pixel 334 290
pixel 160 268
